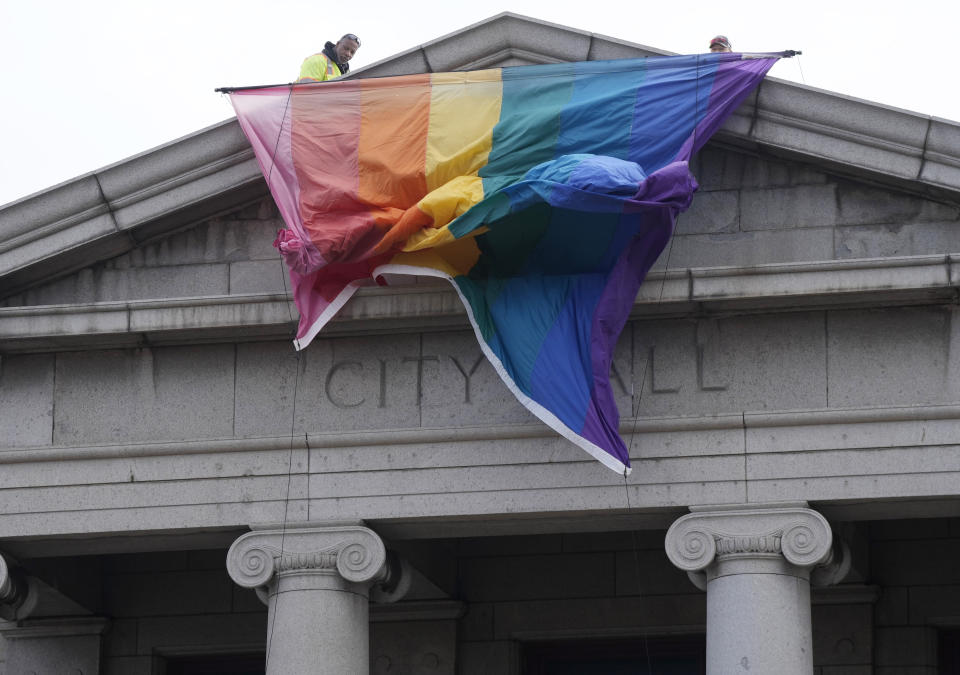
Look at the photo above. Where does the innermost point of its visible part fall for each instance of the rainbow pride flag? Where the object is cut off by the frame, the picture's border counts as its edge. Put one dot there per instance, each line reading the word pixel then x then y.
pixel 543 193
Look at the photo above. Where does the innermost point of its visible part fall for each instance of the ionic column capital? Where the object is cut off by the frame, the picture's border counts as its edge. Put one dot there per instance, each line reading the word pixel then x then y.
pixel 718 534
pixel 355 553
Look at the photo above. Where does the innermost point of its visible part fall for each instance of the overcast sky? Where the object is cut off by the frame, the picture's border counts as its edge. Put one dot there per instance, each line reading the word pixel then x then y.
pixel 86 84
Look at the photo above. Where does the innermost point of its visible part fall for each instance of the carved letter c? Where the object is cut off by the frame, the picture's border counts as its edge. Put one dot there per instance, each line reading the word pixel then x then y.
pixel 354 365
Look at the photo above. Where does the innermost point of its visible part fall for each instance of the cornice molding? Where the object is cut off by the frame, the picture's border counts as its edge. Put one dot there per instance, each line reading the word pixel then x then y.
pixel 907 150
pixel 464 434
pixel 509 53
pixel 834 284
pixel 112 210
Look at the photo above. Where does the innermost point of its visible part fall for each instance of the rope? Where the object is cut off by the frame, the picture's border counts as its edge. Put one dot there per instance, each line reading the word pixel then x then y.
pixel 287 293
pixel 638 396
pixel 286 502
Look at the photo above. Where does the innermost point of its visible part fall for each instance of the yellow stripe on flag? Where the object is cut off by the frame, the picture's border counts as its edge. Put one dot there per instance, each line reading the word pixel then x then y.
pixel 464 108
pixel 453 259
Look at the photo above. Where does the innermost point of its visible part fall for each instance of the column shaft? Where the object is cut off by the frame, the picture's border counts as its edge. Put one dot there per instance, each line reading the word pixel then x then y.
pixel 757 561
pixel 317 631
pixel 317 581
pixel 759 623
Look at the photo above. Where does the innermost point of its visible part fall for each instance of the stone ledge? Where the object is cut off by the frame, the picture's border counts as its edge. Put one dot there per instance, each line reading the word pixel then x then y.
pixel 59 627
pixel 112 325
pixel 853 137
pixel 451 435
pixel 898 464
pixel 423 307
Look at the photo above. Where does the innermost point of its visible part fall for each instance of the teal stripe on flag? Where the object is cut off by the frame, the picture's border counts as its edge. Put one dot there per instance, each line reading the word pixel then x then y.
pixel 532 103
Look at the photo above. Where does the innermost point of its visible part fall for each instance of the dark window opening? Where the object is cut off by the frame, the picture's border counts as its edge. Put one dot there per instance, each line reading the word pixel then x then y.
pixel 681 655
pixel 234 664
pixel 948 653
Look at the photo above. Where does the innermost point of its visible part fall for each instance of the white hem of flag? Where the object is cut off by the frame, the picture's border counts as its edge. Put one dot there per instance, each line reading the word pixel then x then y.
pixel 326 315
pixel 542 413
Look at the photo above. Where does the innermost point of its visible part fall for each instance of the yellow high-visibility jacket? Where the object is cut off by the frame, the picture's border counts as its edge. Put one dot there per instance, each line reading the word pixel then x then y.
pixel 319 68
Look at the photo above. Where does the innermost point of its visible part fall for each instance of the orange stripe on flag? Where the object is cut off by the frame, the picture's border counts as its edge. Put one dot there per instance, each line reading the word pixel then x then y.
pixel 393 139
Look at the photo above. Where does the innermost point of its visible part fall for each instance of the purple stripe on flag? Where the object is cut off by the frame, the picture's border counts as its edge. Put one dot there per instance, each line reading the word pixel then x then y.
pixel 661 197
pixel 265 117
pixel 733 82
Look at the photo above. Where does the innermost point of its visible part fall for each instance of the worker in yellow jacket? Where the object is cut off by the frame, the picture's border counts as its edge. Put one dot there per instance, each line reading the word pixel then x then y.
pixel 332 62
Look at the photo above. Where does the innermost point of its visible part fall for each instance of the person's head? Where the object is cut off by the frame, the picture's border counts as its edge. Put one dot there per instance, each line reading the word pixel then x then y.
pixel 720 44
pixel 347 47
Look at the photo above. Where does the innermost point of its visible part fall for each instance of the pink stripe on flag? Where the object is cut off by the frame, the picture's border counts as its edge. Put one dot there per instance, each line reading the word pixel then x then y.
pixel 264 116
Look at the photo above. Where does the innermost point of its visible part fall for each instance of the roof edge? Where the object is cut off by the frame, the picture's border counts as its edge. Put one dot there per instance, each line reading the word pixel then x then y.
pixel 107 212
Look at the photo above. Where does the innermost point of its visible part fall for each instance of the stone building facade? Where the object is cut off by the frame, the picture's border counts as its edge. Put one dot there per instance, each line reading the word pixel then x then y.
pixel 789 386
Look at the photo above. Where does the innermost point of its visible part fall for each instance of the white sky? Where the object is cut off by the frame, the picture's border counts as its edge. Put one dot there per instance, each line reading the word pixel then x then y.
pixel 88 83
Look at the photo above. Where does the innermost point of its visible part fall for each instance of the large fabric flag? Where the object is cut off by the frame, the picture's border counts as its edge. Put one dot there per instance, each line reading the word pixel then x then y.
pixel 543 193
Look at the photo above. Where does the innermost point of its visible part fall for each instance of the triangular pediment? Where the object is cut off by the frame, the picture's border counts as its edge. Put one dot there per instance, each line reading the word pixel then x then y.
pixel 506 39
pixel 128 206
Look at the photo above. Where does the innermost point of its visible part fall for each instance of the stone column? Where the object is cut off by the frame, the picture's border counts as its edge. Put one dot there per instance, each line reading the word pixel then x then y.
pixel 316 582
pixel 11 591
pixel 755 561
pixel 40 634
